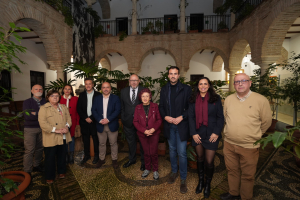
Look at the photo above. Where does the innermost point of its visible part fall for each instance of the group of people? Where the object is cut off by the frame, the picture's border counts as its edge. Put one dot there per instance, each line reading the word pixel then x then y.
pixel 184 112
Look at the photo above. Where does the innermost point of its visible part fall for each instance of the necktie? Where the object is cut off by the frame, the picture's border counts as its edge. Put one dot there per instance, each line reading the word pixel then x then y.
pixel 133 96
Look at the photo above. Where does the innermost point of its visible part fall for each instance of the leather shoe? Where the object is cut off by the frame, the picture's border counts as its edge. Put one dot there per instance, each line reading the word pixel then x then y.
pixel 38 169
pixel 100 163
pixel 142 167
pixel 85 159
pixel 96 159
pixel 115 164
pixel 183 187
pixel 128 164
pixel 228 196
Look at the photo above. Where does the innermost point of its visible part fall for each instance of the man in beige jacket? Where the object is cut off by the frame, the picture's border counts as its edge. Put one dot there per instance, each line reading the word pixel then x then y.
pixel 247 115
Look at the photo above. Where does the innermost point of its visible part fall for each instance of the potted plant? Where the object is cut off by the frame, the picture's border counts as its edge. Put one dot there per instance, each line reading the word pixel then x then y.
pixel 158 25
pixel 222 27
pixel 148 29
pixel 193 28
pixel 191 156
pixel 267 86
pixel 8 51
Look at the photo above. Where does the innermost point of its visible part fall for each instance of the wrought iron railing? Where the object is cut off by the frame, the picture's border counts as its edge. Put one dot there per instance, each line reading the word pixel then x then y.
pixel 207 22
pixel 246 8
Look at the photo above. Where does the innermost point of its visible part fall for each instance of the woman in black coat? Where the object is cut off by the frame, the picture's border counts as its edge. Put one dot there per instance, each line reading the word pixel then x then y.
pixel 206 122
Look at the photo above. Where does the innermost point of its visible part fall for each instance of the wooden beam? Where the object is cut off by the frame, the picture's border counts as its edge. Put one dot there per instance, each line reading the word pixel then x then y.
pixel 212 51
pixel 153 52
pixel 119 54
pixel 201 51
pixel 31 37
pixel 39 43
pixel 109 54
pixel 295 24
pixel 165 52
pixel 293 32
pixel 287 37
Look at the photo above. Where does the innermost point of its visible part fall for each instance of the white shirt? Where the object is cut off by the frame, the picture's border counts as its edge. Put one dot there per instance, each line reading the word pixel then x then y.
pixel 136 92
pixel 242 99
pixel 105 104
pixel 89 102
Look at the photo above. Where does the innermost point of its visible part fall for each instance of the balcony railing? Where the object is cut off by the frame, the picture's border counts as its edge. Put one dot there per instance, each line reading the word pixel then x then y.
pixel 165 24
pixel 247 7
pixel 66 3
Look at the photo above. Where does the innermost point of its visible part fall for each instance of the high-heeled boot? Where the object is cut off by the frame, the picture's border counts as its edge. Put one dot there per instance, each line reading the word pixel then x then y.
pixel 209 175
pixel 200 168
pixel 71 157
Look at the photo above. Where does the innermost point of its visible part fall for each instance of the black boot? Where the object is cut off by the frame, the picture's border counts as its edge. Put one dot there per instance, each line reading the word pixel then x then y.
pixel 200 168
pixel 209 175
pixel 71 157
pixel 67 158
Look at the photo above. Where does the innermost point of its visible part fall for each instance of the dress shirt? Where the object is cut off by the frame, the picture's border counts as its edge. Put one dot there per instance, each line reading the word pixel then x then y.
pixel 136 92
pixel 89 102
pixel 105 104
pixel 242 99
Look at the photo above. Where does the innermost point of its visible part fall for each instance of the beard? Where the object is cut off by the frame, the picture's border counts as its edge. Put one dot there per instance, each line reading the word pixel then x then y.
pixel 38 94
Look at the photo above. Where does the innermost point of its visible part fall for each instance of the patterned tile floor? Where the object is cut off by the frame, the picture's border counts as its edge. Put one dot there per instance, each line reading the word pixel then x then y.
pixel 277 178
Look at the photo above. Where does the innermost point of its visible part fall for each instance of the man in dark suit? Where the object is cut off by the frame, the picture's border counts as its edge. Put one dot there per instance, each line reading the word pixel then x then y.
pixel 87 121
pixel 129 100
pixel 106 109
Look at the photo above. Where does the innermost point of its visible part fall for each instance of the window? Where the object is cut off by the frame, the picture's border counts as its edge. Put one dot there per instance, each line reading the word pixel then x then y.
pixel 171 23
pixel 237 72
pixel 196 22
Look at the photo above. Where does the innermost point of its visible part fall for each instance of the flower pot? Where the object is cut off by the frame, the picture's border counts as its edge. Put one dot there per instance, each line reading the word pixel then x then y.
pixel 223 30
pixel 169 32
pixel 193 164
pixel 207 31
pixel 162 148
pixel 193 31
pixel 20 177
pixel 273 125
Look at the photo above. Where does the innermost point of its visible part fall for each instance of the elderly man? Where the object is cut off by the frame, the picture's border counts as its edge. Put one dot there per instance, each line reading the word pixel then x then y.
pixel 129 100
pixel 106 109
pixel 247 115
pixel 33 142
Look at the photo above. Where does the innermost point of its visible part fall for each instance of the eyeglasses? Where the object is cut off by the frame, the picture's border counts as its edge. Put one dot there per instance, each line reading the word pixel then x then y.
pixel 133 80
pixel 54 96
pixel 241 81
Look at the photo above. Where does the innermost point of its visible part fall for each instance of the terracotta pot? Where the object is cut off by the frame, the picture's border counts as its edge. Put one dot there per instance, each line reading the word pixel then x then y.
pixel 169 32
pixel 273 125
pixel 20 177
pixel 223 30
pixel 162 148
pixel 193 164
pixel 92 153
pixel 193 31
pixel 207 31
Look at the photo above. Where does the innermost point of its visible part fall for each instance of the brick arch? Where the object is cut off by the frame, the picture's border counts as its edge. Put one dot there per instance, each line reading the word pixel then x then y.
pixel 247 50
pixel 238 53
pixel 217 50
pixel 47 23
pixel 273 29
pixel 149 51
pixel 105 7
pixel 104 53
pixel 217 63
pixel 284 56
pixel 105 62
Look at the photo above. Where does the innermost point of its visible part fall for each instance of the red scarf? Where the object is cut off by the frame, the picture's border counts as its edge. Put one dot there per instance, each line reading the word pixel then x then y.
pixel 201 110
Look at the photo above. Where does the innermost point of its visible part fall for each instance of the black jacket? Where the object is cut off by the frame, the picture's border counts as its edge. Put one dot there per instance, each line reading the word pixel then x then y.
pixel 127 108
pixel 182 104
pixel 82 110
pixel 215 121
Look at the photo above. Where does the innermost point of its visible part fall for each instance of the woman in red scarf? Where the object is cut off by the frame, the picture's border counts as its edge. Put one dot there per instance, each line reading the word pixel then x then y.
pixel 206 122
pixel 70 101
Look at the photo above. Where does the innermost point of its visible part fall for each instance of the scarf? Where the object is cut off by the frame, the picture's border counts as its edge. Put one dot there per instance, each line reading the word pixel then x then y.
pixel 69 97
pixel 201 110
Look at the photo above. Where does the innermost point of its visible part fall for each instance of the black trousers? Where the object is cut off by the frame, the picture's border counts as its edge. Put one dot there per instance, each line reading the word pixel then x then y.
pixel 57 153
pixel 131 138
pixel 86 131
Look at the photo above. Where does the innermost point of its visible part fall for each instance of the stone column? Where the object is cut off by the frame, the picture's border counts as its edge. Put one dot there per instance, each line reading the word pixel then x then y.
pixel 231 80
pixel 60 74
pixel 182 16
pixel 134 20
pixel 232 20
pixel 263 68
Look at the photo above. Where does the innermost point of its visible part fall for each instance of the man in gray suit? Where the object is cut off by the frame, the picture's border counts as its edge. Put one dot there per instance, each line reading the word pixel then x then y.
pixel 129 100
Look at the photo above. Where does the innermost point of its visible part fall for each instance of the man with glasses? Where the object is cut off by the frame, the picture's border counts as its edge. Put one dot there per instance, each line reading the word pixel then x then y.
pixel 129 100
pixel 33 140
pixel 247 115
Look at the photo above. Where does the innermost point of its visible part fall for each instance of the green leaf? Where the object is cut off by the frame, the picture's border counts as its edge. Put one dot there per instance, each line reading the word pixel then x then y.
pixel 278 138
pixel 24 29
pixel 297 150
pixel 12 25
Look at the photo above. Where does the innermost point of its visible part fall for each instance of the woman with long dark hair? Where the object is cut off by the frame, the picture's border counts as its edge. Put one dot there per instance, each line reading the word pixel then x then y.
pixel 206 122
pixel 70 101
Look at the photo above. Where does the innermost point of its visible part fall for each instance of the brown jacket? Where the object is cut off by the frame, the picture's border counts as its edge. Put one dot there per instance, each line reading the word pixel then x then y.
pixel 49 117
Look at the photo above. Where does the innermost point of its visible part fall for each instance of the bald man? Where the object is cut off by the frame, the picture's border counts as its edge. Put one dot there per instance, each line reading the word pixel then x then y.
pixel 106 109
pixel 248 115
pixel 129 100
pixel 32 132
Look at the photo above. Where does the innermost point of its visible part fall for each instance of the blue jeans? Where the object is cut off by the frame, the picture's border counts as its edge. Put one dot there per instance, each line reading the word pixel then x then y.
pixel 176 146
pixel 71 145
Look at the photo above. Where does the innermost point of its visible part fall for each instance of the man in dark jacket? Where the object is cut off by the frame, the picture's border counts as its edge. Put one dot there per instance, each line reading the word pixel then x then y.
pixel 33 142
pixel 87 121
pixel 173 108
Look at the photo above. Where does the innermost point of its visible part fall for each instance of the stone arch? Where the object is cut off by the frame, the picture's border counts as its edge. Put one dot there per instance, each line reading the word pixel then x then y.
pixel 47 23
pixel 217 63
pixel 274 28
pixel 284 56
pixel 215 49
pixel 105 7
pixel 238 53
pixel 149 51
pixel 105 62
pixel 246 51
pixel 103 55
